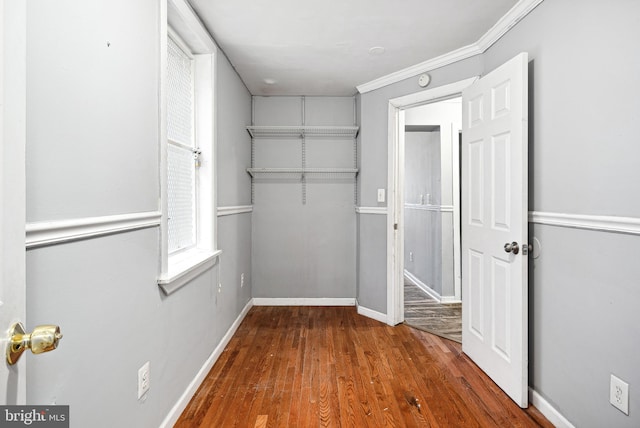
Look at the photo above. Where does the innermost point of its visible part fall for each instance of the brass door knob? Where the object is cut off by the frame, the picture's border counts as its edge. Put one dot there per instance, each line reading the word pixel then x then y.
pixel 44 338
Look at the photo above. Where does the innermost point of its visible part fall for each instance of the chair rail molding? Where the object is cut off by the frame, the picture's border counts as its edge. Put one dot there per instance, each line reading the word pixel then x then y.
pixel 435 208
pixel 43 233
pixel 372 210
pixel 233 210
pixel 627 225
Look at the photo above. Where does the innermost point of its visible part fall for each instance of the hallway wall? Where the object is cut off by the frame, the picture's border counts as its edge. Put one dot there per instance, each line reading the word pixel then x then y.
pixel 423 231
pixel 93 150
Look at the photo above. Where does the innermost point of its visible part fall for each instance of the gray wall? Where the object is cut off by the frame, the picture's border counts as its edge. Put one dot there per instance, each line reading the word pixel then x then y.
pixel 423 229
pixel 583 160
pixel 304 250
pixel 92 150
pixel 372 279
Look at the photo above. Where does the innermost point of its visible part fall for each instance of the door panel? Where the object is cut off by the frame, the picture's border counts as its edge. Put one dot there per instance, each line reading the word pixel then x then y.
pixel 494 281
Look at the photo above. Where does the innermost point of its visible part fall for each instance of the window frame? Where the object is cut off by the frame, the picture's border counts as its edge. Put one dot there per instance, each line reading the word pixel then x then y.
pixel 192 145
pixel 181 267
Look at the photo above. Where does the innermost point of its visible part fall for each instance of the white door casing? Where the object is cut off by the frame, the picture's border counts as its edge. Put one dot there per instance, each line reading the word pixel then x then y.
pixel 395 186
pixel 12 189
pixel 494 213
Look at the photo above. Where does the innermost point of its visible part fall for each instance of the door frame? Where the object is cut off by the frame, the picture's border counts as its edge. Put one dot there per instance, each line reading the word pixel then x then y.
pixel 13 61
pixel 395 186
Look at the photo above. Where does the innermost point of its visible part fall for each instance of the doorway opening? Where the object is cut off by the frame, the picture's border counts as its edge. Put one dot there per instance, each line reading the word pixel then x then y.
pixel 431 265
pixel 431 221
pixel 403 112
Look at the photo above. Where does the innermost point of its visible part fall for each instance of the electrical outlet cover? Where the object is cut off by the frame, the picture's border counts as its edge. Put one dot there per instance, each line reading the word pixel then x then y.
pixel 143 379
pixel 619 394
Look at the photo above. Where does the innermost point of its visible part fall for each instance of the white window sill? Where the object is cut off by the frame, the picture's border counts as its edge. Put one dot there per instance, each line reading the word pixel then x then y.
pixel 186 266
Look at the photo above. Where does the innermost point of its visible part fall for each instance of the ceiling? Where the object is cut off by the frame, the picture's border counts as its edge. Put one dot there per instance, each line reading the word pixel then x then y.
pixel 324 47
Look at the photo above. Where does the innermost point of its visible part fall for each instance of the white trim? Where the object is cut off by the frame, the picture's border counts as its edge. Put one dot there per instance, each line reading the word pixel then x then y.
pixel 506 23
pixel 195 26
pixel 185 267
pixel 176 271
pixel 422 286
pixel 433 94
pixel 423 67
pixel 510 19
pixel 370 313
pixel 627 225
pixel 395 219
pixel 304 301
pixel 43 233
pixel 551 413
pixel 174 414
pixel 435 208
pixel 395 179
pixel 240 209
pixel 372 210
pixel 13 137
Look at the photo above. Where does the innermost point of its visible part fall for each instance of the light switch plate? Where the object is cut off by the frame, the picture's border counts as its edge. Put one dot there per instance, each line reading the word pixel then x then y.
pixel 380 195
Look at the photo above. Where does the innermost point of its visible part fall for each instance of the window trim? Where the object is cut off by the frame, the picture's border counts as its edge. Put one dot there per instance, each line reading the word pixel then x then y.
pixel 177 270
pixel 190 147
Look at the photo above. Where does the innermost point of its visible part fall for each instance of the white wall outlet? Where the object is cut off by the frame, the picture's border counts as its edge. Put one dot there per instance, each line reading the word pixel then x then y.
pixel 241 280
pixel 410 256
pixel 619 394
pixel 143 379
pixel 381 195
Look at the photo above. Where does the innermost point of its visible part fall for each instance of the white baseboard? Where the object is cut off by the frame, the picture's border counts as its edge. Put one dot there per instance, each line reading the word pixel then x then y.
pixel 424 287
pixel 370 313
pixel 188 394
pixel 421 285
pixel 549 412
pixel 304 301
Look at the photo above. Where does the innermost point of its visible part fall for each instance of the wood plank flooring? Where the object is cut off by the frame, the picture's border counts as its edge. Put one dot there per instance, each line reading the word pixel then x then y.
pixel 424 312
pixel 329 366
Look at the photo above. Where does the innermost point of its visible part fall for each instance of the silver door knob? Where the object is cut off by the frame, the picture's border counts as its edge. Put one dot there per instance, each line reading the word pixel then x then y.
pixel 512 247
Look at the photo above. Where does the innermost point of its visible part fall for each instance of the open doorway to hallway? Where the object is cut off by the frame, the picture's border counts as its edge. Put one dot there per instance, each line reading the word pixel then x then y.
pixel 432 295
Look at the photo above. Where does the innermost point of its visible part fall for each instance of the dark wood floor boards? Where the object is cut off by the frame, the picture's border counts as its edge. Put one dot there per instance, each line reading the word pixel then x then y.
pixel 330 367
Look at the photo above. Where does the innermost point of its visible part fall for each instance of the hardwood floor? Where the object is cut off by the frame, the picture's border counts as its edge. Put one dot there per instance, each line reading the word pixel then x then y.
pixel 329 366
pixel 424 312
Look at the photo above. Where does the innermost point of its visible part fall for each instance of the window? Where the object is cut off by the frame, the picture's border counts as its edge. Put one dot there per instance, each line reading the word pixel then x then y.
pixel 188 244
pixel 182 153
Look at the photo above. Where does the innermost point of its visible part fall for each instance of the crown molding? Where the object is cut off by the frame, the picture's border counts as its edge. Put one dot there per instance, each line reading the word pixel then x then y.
pixel 504 24
pixel 414 70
